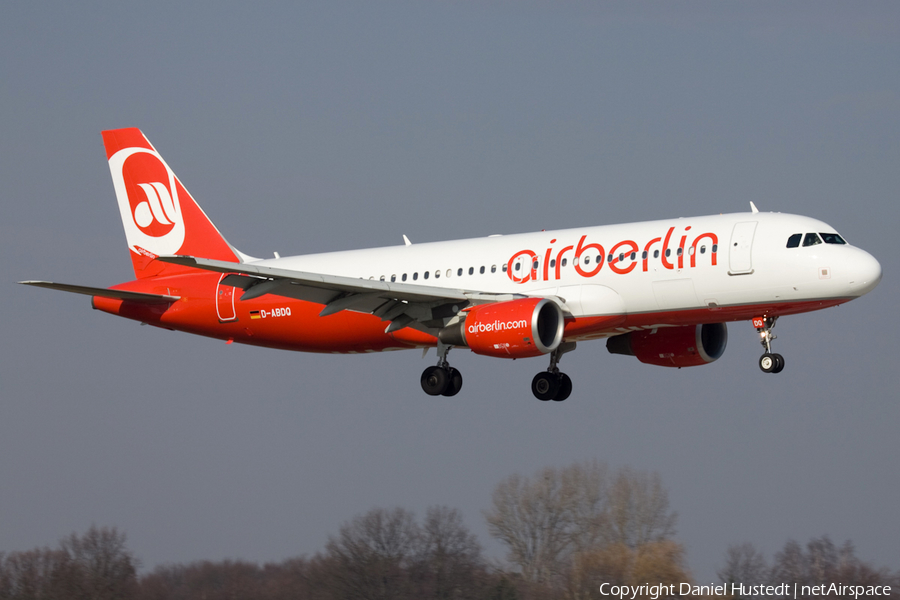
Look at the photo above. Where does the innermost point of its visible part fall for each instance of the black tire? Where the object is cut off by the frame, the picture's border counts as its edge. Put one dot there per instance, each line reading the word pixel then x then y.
pixel 779 363
pixel 565 388
pixel 434 380
pixel 454 383
pixel 767 363
pixel 544 386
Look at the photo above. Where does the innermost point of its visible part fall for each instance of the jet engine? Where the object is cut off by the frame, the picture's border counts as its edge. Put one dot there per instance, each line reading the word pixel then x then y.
pixel 512 329
pixel 686 346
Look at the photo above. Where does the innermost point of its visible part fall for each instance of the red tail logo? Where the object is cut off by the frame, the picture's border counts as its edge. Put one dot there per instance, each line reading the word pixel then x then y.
pixel 148 200
pixel 158 214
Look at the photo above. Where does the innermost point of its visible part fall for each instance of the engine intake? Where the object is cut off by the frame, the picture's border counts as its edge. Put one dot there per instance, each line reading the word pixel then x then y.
pixel 687 346
pixel 513 329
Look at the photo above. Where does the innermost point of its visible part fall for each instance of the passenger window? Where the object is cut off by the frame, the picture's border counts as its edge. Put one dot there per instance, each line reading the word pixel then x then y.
pixel 609 258
pixel 505 267
pixel 656 254
pixel 621 256
pixel 437 274
pixel 481 270
pixel 644 255
pixel 449 272
pixel 715 248
pixel 633 255
pixel 811 239
pixel 794 240
pixel 393 278
pixel 564 261
pixel 493 268
pixel 832 238
pixel 425 275
pixel 404 277
pixel 382 278
pixel 459 271
pixel 415 275
pixel 587 260
pixel 680 251
pixel 668 251
pixel 552 263
pixel 517 266
pixel 702 249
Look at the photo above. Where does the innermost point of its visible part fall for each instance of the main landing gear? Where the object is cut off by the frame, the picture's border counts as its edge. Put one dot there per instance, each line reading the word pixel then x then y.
pixel 769 362
pixel 551 384
pixel 441 380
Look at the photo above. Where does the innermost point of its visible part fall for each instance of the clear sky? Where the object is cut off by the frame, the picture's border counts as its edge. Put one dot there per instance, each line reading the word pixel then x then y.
pixel 308 127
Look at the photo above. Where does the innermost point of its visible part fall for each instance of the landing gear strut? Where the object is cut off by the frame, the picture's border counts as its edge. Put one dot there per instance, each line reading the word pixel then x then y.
pixel 441 380
pixel 551 384
pixel 769 362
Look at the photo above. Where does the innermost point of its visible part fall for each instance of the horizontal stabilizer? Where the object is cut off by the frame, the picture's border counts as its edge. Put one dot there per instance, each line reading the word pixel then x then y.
pixel 104 292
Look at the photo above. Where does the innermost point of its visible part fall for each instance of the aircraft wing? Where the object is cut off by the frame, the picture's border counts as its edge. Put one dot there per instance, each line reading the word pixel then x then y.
pixel 405 305
pixel 104 292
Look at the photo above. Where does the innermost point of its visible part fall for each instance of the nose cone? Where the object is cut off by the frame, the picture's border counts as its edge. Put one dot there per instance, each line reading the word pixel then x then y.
pixel 866 273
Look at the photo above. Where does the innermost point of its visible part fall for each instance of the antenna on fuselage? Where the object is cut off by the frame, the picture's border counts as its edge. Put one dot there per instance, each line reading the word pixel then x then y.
pixel 753 207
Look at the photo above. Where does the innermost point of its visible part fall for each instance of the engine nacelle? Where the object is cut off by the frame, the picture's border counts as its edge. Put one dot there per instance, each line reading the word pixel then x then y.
pixel 513 329
pixel 687 346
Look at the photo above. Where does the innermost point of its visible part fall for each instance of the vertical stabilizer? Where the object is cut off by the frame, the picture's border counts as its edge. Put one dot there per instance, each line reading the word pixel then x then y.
pixel 159 215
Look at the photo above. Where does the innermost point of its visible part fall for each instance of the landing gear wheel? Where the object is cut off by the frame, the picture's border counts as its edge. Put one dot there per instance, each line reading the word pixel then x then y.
pixel 544 386
pixel 768 363
pixel 779 363
pixel 435 381
pixel 454 382
pixel 565 388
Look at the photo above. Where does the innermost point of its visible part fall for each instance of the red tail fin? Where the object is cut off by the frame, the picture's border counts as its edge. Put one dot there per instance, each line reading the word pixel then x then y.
pixel 159 215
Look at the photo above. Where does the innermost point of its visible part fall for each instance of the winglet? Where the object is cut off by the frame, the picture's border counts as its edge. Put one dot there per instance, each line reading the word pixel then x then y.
pixel 753 207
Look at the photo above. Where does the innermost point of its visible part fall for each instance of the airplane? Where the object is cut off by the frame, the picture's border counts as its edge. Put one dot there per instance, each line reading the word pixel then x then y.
pixel 661 291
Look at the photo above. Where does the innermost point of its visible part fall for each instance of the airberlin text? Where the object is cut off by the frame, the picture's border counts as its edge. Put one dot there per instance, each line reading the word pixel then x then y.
pixel 480 327
pixel 624 257
pixel 784 590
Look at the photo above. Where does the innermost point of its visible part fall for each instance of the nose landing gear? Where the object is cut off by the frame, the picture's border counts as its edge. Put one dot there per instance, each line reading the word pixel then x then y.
pixel 441 380
pixel 551 384
pixel 769 362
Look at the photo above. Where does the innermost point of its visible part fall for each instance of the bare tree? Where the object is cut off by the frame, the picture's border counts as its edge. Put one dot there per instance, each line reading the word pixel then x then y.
pixel 106 567
pixel 638 509
pixel 744 564
pixel 449 564
pixel 576 509
pixel 39 574
pixel 821 562
pixel 95 566
pixel 371 555
pixel 534 519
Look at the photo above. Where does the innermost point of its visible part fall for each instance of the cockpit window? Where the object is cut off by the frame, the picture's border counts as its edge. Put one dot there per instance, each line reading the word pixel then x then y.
pixel 794 240
pixel 832 238
pixel 811 239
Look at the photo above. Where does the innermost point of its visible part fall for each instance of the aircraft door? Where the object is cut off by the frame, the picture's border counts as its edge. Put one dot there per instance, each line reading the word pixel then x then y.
pixel 739 259
pixel 225 301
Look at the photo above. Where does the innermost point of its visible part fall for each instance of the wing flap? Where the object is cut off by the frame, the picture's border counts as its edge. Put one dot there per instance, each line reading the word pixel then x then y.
pixel 304 283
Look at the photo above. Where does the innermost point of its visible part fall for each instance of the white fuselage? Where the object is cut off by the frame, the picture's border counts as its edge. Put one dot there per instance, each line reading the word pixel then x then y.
pixel 657 266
